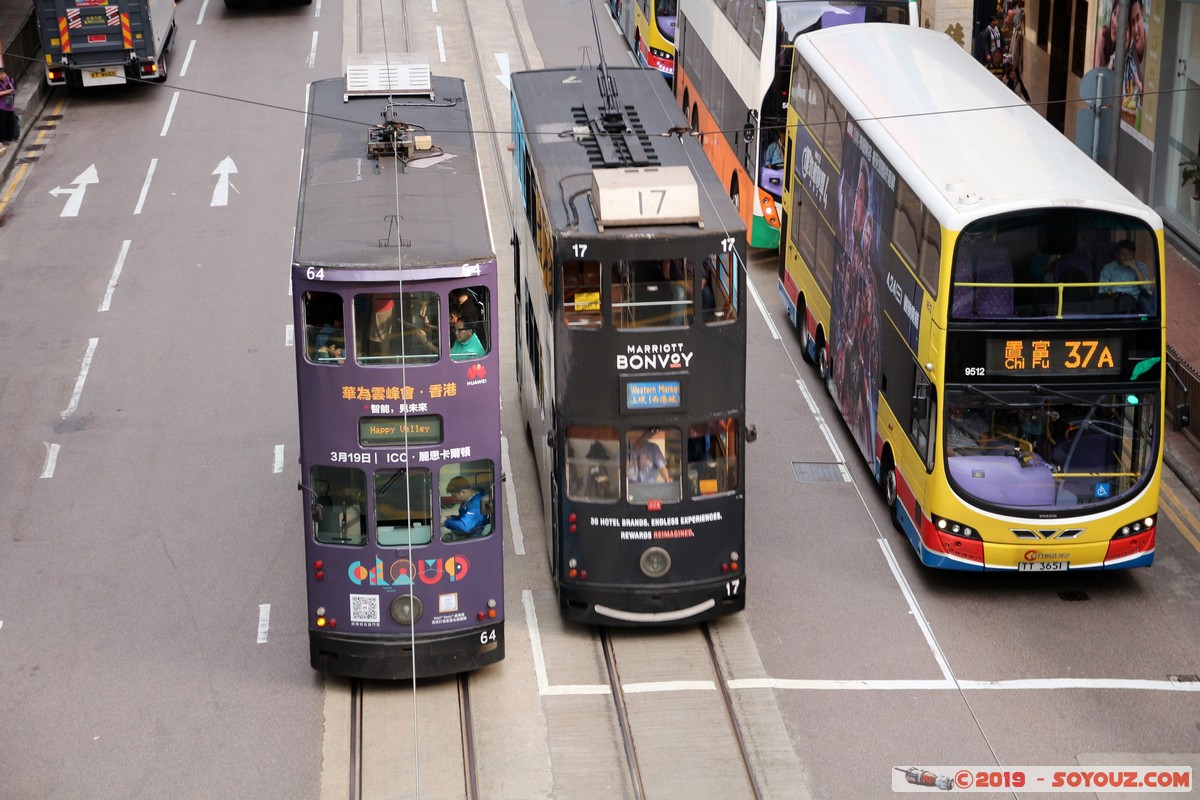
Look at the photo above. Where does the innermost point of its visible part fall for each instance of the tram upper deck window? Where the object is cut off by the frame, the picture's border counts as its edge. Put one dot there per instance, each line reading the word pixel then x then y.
pixel 470 308
pixel 403 514
pixel 581 293
pixel 324 328
pixel 719 288
pixel 391 328
pixel 468 507
pixel 652 466
pixel 651 293
pixel 592 463
pixel 338 499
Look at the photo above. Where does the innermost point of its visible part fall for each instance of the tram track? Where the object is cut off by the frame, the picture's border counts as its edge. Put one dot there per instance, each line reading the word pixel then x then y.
pixel 386 756
pixel 647 762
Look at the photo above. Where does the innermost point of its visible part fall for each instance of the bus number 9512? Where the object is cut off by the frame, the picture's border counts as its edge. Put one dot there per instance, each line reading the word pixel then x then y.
pixel 974 372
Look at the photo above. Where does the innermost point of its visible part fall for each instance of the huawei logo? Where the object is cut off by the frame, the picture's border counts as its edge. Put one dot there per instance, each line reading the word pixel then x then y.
pixel 476 372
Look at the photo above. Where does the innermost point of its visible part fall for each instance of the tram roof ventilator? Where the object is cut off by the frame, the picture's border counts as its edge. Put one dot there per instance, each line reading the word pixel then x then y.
pixel 405 74
pixel 627 175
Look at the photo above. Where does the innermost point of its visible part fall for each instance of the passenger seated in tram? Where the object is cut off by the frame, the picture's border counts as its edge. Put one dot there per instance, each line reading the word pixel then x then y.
pixel 472 517
pixel 466 343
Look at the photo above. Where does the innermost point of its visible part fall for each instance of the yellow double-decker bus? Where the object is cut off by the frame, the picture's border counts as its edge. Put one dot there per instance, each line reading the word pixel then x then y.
pixel 649 27
pixel 983 302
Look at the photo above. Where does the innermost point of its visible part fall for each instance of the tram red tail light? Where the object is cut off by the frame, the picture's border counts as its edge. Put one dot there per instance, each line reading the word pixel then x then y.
pixel 571 518
pixel 318 564
pixel 319 574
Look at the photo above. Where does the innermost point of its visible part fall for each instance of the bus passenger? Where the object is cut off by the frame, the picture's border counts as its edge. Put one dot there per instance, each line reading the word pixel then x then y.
pixel 1127 268
pixel 470 519
pixel 466 343
pixel 647 464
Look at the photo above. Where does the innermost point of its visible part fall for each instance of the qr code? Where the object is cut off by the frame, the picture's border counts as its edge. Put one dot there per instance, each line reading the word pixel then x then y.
pixel 364 609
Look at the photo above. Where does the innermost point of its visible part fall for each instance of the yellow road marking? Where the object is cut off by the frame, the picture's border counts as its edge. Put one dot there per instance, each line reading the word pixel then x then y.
pixel 1178 513
pixel 19 176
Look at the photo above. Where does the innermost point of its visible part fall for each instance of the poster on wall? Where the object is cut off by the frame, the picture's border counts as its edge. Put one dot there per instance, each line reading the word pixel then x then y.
pixel 1143 42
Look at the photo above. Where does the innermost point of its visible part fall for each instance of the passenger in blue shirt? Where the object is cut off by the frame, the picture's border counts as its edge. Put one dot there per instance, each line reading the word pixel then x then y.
pixel 470 519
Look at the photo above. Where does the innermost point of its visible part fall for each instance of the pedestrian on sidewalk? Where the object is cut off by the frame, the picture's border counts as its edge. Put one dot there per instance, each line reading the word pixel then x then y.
pixel 8 108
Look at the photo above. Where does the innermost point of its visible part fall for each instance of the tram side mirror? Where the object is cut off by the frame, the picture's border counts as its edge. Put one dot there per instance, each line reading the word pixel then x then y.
pixel 1183 416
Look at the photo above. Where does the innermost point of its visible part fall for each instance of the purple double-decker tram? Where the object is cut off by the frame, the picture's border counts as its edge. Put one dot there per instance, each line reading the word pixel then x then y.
pixel 398 382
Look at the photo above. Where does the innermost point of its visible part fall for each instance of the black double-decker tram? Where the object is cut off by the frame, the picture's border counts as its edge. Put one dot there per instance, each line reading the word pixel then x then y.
pixel 631 338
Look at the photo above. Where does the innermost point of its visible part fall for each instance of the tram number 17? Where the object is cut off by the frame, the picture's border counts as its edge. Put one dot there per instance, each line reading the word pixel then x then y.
pixel 733 587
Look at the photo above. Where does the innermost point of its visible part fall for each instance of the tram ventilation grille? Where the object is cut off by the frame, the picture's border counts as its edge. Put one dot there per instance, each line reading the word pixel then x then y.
pixel 1073 596
pixel 816 472
pixel 631 147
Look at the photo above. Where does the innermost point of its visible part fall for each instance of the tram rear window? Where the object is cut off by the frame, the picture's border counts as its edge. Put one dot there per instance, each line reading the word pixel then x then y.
pixel 395 328
pixel 324 328
pixel 400 431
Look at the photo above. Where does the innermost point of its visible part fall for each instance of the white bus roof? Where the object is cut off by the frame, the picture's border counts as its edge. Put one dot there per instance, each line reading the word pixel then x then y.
pixel 961 138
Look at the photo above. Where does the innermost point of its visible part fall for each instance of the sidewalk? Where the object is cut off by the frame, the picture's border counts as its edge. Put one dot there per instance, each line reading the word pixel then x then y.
pixel 1183 335
pixel 32 95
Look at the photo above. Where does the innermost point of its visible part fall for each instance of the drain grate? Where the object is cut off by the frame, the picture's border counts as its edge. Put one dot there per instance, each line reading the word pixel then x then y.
pixel 817 472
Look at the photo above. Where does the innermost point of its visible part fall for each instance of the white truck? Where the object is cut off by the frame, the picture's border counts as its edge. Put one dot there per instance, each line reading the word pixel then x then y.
pixel 102 42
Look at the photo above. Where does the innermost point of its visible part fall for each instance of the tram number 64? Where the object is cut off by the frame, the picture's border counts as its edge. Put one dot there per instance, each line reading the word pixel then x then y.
pixel 487 636
pixel 733 587
pixel 315 273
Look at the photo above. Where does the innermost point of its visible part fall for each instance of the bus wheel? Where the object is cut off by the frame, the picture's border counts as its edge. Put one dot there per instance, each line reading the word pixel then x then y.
pixel 806 341
pixel 891 491
pixel 823 366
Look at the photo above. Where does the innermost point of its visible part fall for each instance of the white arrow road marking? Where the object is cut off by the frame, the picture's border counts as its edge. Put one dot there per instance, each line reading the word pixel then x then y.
pixel 220 195
pixel 502 60
pixel 80 184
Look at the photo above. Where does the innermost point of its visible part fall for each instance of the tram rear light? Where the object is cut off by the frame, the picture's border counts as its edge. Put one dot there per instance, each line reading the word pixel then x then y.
pixel 583 574
pixel 481 616
pixel 571 518
pixel 319 574
pixel 332 622
pixel 572 573
pixel 572 528
pixel 491 613
pixel 318 564
pixel 320 622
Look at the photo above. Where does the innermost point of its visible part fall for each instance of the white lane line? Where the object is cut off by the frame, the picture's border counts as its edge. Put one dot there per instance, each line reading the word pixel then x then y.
pixel 203 8
pixel 188 58
pixel 317 10
pixel 915 609
pixel 116 276
pixel 824 428
pixel 289 335
pixel 535 642
pixel 264 622
pixel 83 371
pixel 510 499
pixel 279 458
pixel 762 308
pixel 312 53
pixel 51 460
pixel 145 186
pixel 441 45
pixel 170 113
